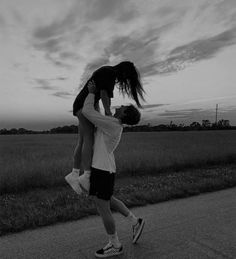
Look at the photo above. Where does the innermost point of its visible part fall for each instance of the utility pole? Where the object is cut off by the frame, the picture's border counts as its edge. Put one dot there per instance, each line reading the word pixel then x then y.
pixel 216 113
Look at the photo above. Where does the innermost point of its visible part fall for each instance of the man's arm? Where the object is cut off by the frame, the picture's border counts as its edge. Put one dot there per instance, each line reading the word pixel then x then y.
pixel 106 123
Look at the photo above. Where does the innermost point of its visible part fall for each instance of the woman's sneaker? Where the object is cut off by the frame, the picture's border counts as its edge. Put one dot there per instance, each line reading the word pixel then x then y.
pixel 73 180
pixel 108 251
pixel 84 181
pixel 137 230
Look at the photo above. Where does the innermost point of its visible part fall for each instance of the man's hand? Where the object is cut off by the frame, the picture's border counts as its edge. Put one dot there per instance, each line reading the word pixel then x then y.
pixel 92 87
pixel 108 113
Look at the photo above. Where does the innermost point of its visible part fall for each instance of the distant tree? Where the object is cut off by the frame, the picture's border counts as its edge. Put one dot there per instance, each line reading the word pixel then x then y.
pixel 13 131
pixel 206 123
pixel 195 125
pixel 173 126
pixel 223 124
pixel 4 131
pixel 22 131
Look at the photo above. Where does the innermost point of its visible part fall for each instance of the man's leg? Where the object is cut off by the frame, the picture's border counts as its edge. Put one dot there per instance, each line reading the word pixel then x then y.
pixel 137 223
pixel 119 206
pixel 103 207
pixel 114 246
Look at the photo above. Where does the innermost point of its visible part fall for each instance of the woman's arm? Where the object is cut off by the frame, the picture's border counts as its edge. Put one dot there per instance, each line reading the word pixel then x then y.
pixel 106 101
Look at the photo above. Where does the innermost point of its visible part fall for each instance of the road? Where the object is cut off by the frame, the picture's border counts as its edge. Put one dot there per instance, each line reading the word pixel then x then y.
pixel 198 227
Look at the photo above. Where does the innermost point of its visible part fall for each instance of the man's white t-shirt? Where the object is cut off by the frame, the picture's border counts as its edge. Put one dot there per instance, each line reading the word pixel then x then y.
pixel 107 136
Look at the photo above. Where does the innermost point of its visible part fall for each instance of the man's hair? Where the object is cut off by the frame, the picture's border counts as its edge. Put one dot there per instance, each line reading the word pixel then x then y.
pixel 132 115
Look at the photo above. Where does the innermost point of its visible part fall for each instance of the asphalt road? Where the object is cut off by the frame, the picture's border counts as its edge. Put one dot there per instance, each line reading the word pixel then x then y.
pixel 203 226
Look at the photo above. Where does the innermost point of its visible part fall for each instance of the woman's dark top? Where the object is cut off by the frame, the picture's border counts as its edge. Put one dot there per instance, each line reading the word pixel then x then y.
pixel 104 79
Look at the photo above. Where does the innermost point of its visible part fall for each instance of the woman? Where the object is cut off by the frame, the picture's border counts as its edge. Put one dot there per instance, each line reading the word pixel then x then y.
pixel 127 77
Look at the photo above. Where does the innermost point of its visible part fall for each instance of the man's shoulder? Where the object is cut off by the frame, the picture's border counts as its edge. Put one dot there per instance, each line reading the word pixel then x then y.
pixel 114 123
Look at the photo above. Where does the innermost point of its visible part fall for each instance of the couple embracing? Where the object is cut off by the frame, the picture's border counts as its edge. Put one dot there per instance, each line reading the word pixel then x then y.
pixel 99 135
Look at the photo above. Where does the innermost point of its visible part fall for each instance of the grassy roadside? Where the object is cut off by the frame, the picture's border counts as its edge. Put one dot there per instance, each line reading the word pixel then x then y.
pixel 41 207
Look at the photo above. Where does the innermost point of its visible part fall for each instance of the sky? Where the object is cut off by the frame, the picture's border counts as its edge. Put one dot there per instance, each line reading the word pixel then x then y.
pixel 185 51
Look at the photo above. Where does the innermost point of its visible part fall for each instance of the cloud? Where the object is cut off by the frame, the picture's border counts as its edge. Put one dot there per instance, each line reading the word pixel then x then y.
pixel 50 45
pixel 179 116
pixel 230 108
pixel 123 30
pixel 188 116
pixel 145 107
pixel 2 21
pixel 204 48
pixel 138 47
pixel 122 10
pixel 69 55
pixel 55 59
pixel 179 113
pixel 148 106
pixel 184 55
pixel 91 67
pixel 60 78
pixel 17 16
pixel 101 9
pixel 63 38
pixel 58 39
pixel 62 94
pixel 59 26
pixel 43 84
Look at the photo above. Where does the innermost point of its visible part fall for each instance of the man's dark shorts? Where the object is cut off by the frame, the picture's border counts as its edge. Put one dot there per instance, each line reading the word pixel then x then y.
pixel 101 184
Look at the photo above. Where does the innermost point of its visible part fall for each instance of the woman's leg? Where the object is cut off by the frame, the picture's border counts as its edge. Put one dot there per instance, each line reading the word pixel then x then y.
pixel 87 129
pixel 78 149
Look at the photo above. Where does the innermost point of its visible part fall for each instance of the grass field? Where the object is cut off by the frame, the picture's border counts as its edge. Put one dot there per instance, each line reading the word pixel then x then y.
pixel 152 167
pixel 30 161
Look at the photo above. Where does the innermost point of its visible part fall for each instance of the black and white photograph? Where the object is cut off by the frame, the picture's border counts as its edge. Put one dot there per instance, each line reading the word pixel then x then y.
pixel 117 129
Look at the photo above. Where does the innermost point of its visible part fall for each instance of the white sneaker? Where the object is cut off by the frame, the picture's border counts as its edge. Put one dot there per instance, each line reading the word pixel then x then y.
pixel 84 181
pixel 73 180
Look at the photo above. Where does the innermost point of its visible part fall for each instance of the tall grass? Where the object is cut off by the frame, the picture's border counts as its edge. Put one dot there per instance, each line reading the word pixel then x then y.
pixel 28 161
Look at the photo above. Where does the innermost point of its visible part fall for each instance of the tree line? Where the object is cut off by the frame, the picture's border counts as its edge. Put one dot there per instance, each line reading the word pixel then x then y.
pixel 205 125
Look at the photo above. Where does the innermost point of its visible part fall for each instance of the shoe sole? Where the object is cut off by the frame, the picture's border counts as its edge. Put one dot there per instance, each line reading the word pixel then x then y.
pixel 74 186
pixel 139 233
pixel 106 256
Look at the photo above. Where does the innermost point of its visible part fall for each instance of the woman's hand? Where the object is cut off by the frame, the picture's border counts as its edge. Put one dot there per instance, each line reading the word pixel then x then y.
pixel 92 87
pixel 108 113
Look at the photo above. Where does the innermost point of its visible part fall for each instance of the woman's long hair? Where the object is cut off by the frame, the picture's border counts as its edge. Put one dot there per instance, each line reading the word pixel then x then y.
pixel 129 81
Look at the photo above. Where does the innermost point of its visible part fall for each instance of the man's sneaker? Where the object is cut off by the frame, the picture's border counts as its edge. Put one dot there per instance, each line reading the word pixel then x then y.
pixel 84 181
pixel 137 230
pixel 108 251
pixel 73 180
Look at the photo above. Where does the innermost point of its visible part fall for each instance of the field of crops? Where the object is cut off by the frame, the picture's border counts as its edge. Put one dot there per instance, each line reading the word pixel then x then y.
pixel 43 160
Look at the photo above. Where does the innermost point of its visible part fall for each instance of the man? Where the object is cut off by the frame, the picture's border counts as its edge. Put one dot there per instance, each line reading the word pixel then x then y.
pixel 102 178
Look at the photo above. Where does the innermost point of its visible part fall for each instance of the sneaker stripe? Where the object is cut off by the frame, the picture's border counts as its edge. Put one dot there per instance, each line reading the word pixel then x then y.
pixel 109 251
pixel 138 234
